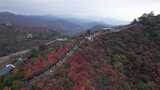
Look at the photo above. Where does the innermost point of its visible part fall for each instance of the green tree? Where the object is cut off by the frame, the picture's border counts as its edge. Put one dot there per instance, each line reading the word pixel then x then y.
pixel 17 84
pixel 103 81
pixel 143 86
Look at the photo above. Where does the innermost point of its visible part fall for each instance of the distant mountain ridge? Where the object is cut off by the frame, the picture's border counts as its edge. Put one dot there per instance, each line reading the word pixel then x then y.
pixel 57 23
pixel 37 21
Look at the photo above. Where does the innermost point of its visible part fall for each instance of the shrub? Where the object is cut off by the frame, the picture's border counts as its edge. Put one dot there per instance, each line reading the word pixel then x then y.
pixel 67 83
pixel 11 80
pixel 42 47
pixel 17 84
pixel 143 86
pixel 8 80
pixel 34 53
pixel 120 58
pixel 117 65
pixel 103 81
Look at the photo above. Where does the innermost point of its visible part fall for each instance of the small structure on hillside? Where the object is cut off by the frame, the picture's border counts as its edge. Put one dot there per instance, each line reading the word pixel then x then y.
pixel 107 28
pixel 7 69
pixel 62 39
pixel 8 24
pixel 19 61
pixel 29 36
pixel 89 38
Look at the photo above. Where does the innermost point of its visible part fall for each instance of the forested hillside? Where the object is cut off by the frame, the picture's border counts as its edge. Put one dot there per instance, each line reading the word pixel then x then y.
pixel 124 60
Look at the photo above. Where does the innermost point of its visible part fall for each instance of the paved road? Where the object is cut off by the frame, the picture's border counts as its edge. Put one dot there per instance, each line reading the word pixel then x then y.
pixel 6 59
pixel 51 42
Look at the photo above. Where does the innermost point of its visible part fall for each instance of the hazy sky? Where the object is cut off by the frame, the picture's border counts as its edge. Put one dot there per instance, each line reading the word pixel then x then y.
pixel 118 9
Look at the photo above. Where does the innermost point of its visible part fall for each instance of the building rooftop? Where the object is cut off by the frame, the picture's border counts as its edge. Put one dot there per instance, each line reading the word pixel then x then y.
pixel 5 70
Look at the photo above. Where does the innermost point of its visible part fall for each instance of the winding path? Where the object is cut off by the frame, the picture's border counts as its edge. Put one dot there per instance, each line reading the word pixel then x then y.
pixel 52 69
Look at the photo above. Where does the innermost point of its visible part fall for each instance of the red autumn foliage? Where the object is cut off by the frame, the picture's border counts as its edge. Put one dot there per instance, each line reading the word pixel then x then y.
pixel 40 63
pixel 156 73
pixel 79 72
pixel 32 68
pixel 107 70
pixel 51 57
pixel 46 83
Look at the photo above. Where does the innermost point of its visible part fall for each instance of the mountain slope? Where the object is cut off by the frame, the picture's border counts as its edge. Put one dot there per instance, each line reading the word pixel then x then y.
pixel 125 60
pixel 15 38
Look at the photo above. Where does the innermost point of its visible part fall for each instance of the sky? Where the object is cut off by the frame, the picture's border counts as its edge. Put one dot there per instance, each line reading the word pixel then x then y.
pixel 118 9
